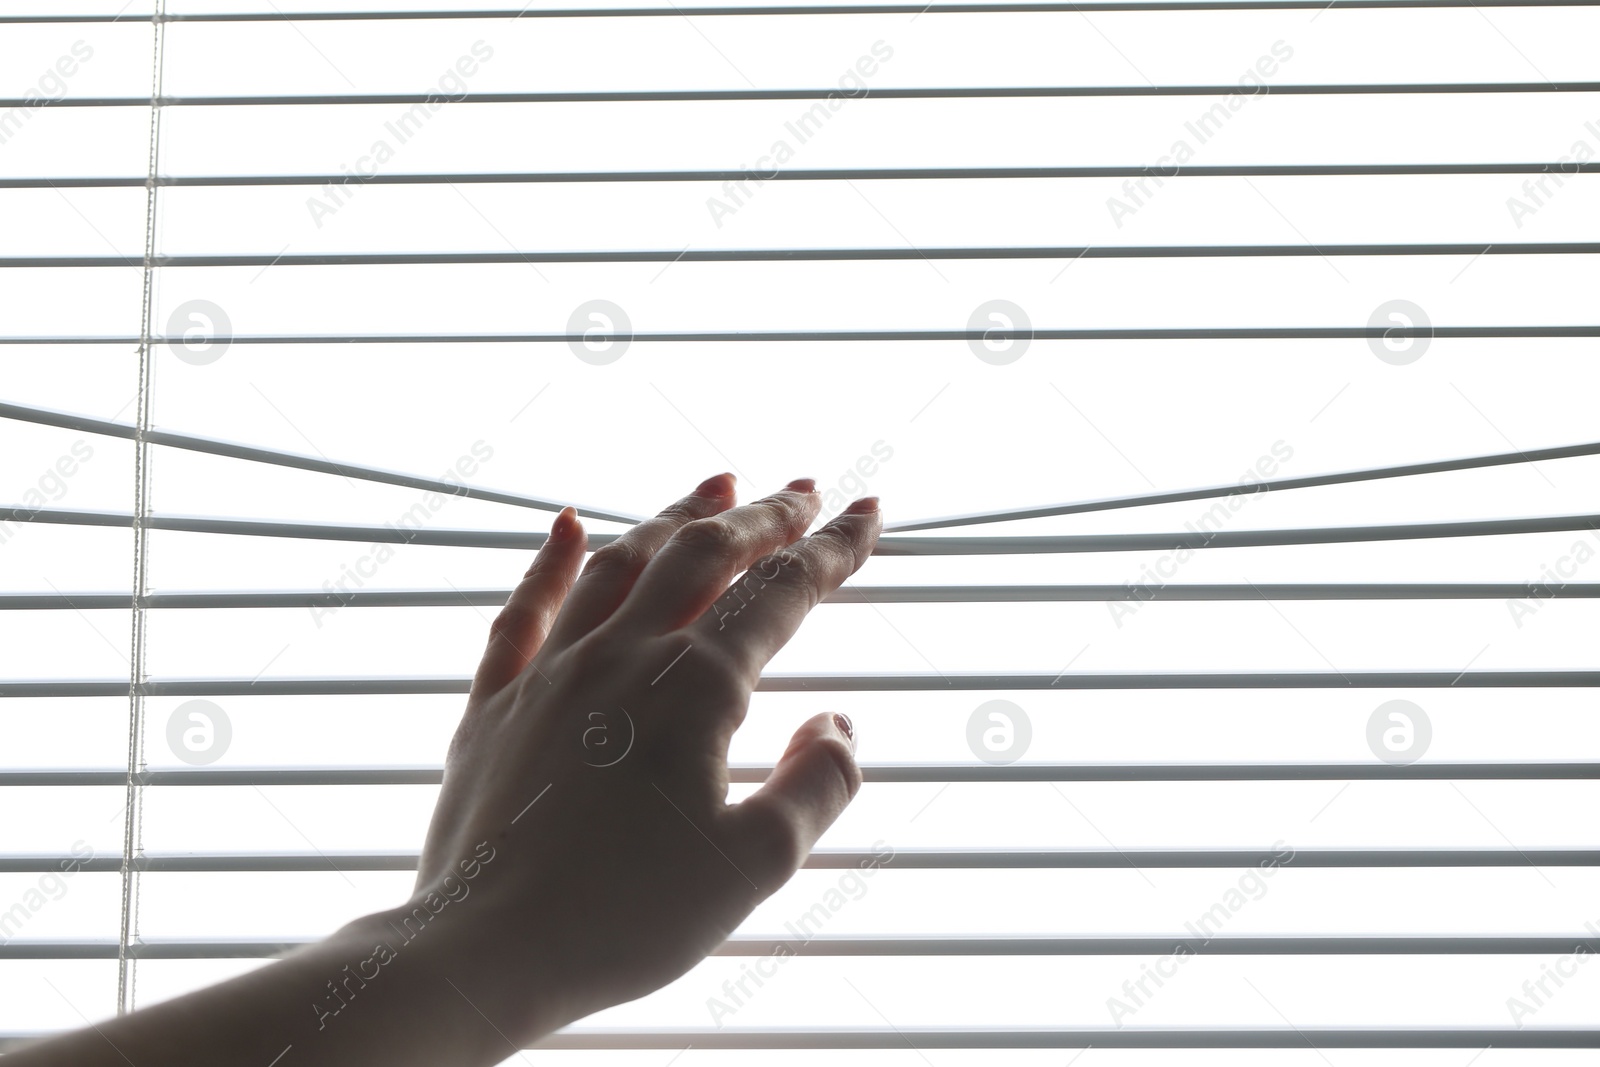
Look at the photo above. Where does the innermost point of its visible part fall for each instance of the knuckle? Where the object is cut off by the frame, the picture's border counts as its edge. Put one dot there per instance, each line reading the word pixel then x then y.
pixel 849 771
pixel 622 558
pixel 776 839
pixel 716 674
pixel 789 511
pixel 710 537
pixel 799 570
pixel 589 659
pixel 842 540
pixel 546 567
pixel 690 507
pixel 512 621
pixel 768 567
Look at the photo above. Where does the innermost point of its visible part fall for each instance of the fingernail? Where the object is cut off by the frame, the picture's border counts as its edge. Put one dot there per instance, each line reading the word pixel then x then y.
pixel 842 724
pixel 562 529
pixel 565 526
pixel 803 485
pixel 715 486
pixel 865 506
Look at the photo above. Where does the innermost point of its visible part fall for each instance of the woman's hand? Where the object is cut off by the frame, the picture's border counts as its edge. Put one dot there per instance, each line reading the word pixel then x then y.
pixel 591 763
pixel 582 852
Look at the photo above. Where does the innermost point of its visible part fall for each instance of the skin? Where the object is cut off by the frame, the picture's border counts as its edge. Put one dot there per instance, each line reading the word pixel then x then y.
pixel 566 869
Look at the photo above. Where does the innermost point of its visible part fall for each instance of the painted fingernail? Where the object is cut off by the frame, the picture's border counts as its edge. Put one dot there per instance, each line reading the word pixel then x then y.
pixel 715 486
pixel 803 485
pixel 842 724
pixel 565 526
pixel 865 506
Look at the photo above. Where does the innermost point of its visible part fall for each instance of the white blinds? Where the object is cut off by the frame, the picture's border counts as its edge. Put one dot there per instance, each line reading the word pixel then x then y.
pixel 972 283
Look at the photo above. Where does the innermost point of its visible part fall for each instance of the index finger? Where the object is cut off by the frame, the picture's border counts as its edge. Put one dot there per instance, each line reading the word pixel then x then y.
pixel 761 612
pixel 611 572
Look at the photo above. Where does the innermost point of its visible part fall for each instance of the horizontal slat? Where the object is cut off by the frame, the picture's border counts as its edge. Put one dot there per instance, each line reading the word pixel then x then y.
pixel 760 255
pixel 1241 333
pixel 276 457
pixel 789 9
pixel 1235 489
pixel 787 53
pixel 92 949
pixel 193 442
pixel 852 594
pixel 854 683
pixel 1126 1037
pixel 1248 170
pixel 1008 92
pixel 848 859
pixel 872 773
pixel 816 216
pixel 826 945
pixel 886 546
pixel 1106 131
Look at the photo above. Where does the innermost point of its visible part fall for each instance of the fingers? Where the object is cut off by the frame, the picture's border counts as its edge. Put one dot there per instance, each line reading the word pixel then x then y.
pixel 611 572
pixel 521 626
pixel 762 611
pixel 773 830
pixel 702 557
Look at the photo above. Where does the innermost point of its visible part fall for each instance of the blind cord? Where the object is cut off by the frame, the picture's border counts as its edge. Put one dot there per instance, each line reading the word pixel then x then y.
pixel 133 816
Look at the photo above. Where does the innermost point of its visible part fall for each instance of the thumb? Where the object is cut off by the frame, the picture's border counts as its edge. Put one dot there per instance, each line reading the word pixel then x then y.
pixel 775 827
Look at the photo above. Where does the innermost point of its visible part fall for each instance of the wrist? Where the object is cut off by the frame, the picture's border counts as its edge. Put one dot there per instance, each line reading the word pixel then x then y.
pixel 451 949
pixel 383 982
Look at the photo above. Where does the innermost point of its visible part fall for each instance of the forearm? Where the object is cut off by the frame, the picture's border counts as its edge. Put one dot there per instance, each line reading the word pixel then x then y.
pixel 377 991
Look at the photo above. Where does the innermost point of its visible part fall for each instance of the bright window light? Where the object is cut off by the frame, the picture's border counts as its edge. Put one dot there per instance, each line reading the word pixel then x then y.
pixel 327 308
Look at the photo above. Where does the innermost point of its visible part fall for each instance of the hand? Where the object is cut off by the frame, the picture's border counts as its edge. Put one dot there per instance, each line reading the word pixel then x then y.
pixel 565 870
pixel 585 789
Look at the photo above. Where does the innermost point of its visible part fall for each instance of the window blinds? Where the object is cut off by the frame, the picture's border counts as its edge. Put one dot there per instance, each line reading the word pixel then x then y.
pixel 312 316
